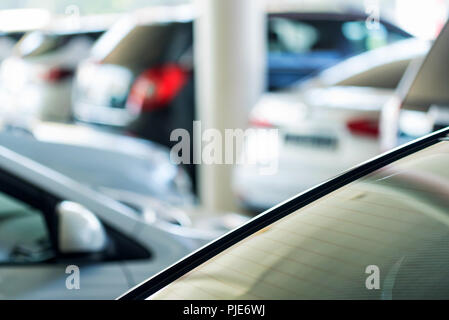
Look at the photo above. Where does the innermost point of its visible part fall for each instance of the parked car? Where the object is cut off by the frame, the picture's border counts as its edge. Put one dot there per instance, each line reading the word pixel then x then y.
pixel 52 224
pixel 303 43
pixel 36 80
pixel 377 231
pixel 132 171
pixel 138 83
pixel 105 161
pixel 326 124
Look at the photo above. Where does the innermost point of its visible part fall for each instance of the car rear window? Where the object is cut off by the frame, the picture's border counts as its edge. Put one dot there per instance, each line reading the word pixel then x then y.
pixel 384 236
pixel 144 45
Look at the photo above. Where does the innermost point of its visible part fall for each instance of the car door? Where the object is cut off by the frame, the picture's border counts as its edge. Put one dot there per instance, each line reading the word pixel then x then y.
pixel 31 266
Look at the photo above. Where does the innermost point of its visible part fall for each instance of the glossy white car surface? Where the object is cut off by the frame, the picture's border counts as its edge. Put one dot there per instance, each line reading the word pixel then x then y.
pixel 319 123
pixel 166 242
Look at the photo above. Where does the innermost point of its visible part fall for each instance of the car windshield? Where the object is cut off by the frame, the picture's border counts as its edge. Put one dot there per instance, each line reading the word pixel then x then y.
pixel 344 37
pixel 38 43
pixel 113 46
pixel 383 236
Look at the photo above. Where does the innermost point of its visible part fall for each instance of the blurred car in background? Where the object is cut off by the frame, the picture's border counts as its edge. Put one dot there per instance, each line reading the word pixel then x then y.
pixel 36 80
pixel 142 65
pixel 139 76
pixel 326 124
pixel 302 43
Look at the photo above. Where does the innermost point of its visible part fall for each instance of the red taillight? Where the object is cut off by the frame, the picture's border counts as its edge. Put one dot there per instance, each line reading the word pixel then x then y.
pixel 260 123
pixel 156 87
pixel 56 74
pixel 364 127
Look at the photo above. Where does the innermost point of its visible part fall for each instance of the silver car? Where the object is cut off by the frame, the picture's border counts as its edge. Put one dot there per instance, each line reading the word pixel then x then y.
pixel 59 223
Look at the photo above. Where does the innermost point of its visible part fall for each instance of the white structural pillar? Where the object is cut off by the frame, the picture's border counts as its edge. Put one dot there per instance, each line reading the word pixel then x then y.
pixel 230 54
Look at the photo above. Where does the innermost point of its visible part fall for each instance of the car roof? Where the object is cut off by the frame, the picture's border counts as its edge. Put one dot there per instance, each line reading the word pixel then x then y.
pixel 268 217
pixel 162 14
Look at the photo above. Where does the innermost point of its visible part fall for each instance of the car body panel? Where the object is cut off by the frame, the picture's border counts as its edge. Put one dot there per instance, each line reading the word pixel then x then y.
pixel 45 282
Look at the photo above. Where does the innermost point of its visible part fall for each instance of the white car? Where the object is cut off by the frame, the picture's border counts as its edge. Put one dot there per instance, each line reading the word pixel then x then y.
pixel 133 171
pixel 326 124
pixel 36 80
pixel 51 225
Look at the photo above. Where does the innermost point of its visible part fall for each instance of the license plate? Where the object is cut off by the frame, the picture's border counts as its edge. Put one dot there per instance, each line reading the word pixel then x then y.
pixel 316 141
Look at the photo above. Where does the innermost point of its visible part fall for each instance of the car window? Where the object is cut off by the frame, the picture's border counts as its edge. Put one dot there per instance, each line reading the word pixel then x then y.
pixel 39 43
pixel 287 35
pixel 383 236
pixel 149 43
pixel 23 233
pixel 300 48
pixel 291 36
pixel 361 38
pixel 385 76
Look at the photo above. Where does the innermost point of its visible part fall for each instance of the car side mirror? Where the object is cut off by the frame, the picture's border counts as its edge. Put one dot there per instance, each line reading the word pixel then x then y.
pixel 79 230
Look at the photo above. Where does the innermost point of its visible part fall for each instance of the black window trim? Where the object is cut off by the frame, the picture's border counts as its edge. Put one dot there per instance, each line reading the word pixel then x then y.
pixel 46 202
pixel 34 197
pixel 188 263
